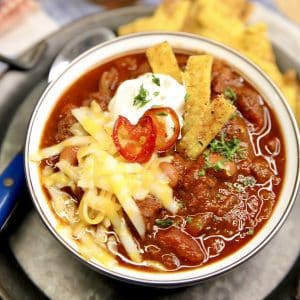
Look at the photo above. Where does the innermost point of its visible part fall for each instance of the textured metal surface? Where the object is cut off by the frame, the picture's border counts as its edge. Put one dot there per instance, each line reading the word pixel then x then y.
pixel 58 274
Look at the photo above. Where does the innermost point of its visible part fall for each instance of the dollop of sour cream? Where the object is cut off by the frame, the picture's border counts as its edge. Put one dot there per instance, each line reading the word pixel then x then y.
pixel 134 97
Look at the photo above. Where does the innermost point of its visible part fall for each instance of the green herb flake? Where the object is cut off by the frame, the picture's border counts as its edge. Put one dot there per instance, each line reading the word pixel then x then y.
pixel 156 93
pixel 186 97
pixel 233 115
pixel 140 99
pixel 228 148
pixel 219 197
pixel 181 204
pixel 201 173
pixel 189 220
pixel 163 223
pixel 229 185
pixel 248 181
pixel 155 80
pixel 218 166
pixel 207 163
pixel 199 225
pixel 250 231
pixel 239 187
pixel 230 94
pixel 162 114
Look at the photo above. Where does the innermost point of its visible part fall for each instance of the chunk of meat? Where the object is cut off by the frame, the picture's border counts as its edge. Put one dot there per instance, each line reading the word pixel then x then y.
pixel 101 99
pixel 107 85
pixel 196 224
pixel 109 82
pixel 142 69
pixel 150 209
pixel 227 168
pixel 66 120
pixel 223 77
pixel 70 155
pixel 181 244
pixel 127 63
pixel 260 169
pixel 273 144
pixel 204 198
pixel 237 128
pixel 250 105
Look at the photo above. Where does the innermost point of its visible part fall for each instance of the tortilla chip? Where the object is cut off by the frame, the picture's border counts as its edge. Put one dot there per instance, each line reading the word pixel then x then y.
pixel 221 110
pixel 223 21
pixel 237 8
pixel 170 15
pixel 197 79
pixel 163 61
pixel 255 40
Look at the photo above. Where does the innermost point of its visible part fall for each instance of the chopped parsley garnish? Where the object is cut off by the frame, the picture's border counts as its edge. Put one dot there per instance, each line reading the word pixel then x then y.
pixel 162 113
pixel 218 166
pixel 229 185
pixel 250 231
pixel 201 173
pixel 155 80
pixel 233 116
pixel 163 223
pixel 156 93
pixel 239 187
pixel 199 225
pixel 189 220
pixel 242 183
pixel 207 163
pixel 248 181
pixel 230 94
pixel 141 98
pixel 228 148
pixel 186 97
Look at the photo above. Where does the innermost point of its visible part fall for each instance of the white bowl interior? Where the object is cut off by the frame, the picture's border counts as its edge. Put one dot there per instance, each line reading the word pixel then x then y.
pixel 119 47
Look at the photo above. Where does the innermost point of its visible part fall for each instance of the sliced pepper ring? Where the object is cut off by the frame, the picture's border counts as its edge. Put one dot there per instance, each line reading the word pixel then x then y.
pixel 159 117
pixel 135 143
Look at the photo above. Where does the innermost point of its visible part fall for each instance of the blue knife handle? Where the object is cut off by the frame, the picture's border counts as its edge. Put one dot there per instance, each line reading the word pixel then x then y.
pixel 12 180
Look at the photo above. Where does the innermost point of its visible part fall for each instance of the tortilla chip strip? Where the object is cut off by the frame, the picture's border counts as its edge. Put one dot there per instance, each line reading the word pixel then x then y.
pixel 170 16
pixel 195 141
pixel 221 110
pixel 202 119
pixel 196 78
pixel 163 61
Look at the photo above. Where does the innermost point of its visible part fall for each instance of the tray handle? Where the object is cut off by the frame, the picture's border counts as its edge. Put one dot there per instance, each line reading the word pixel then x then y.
pixel 12 180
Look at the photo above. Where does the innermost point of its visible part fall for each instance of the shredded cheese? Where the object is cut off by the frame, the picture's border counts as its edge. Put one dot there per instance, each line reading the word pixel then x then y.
pixel 111 186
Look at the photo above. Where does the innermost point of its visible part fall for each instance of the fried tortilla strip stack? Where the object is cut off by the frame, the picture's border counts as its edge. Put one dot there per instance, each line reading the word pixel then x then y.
pixel 163 61
pixel 203 119
pixel 170 15
pixel 224 21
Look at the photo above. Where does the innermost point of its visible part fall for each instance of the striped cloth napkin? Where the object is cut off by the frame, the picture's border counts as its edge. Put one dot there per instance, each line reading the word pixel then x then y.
pixel 22 24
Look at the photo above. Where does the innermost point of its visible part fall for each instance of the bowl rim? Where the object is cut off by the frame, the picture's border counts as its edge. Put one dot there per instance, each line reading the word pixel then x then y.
pixel 153 282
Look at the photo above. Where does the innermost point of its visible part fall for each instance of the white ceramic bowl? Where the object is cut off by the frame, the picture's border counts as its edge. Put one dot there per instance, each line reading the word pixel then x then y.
pixel 186 42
